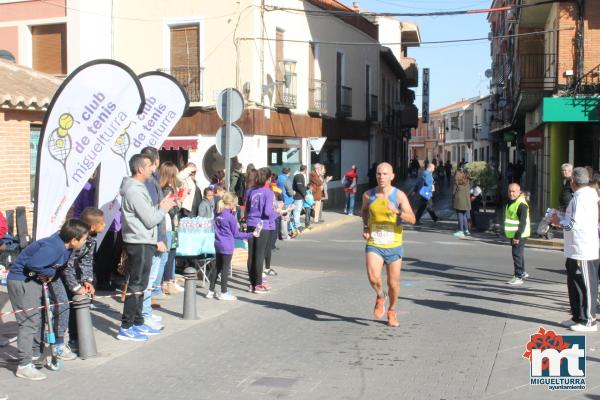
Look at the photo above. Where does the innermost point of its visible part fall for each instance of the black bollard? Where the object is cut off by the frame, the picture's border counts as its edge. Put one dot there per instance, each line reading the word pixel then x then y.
pixel 189 297
pixel 85 329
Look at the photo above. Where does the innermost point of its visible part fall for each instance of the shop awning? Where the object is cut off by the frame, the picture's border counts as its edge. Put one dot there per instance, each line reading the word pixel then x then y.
pixel 176 143
pixel 571 109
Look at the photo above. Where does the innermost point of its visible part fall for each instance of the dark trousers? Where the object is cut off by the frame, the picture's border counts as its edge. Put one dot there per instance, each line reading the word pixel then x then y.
pixel 582 283
pixel 140 262
pixel 222 266
pixel 107 257
pixel 307 216
pixel 269 249
pixel 425 205
pixel 518 255
pixel 257 248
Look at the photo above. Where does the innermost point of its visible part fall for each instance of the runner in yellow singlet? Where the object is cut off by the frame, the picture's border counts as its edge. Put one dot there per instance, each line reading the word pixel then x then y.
pixel 384 210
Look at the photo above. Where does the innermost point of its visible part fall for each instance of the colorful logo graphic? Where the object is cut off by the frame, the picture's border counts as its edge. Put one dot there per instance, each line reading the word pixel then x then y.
pixel 121 146
pixel 59 142
pixel 557 361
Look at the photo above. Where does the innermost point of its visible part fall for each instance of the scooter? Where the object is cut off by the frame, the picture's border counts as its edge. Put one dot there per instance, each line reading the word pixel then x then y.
pixel 49 357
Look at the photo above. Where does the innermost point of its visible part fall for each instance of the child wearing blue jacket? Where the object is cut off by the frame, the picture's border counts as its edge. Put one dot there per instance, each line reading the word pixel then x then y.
pixel 38 262
pixel 226 231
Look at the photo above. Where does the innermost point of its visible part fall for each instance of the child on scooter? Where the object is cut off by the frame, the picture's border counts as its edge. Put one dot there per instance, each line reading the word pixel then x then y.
pixel 38 262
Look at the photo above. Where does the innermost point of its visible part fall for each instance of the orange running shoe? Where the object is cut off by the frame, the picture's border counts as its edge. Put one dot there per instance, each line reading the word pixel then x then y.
pixel 379 307
pixel 392 320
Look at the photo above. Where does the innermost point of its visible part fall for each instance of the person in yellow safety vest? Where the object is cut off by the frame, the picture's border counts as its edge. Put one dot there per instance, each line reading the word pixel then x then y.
pixel 517 228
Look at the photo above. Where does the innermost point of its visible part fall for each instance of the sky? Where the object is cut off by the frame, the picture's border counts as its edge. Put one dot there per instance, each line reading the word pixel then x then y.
pixel 456 70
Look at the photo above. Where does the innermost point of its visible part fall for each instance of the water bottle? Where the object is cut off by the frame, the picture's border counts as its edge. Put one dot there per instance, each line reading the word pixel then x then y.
pixel 259 227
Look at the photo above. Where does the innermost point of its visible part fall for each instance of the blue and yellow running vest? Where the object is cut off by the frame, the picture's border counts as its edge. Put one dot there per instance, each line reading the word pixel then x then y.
pixel 384 225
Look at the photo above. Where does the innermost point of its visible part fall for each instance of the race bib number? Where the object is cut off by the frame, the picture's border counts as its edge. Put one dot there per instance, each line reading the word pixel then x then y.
pixel 382 234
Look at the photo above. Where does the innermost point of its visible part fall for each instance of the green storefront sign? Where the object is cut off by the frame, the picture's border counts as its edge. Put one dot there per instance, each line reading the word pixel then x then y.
pixel 509 136
pixel 571 109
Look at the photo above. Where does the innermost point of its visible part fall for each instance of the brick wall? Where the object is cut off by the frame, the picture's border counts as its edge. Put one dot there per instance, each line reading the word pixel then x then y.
pixel 14 153
pixel 567 18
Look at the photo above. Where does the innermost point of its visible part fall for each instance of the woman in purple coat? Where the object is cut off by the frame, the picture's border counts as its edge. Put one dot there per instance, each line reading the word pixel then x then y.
pixel 226 231
pixel 261 213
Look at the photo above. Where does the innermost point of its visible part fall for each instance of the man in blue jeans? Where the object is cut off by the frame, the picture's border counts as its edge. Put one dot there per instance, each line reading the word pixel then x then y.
pixel 299 187
pixel 153 186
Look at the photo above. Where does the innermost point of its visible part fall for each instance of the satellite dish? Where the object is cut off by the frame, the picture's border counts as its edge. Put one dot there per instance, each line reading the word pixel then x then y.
pixel 488 73
pixel 7 55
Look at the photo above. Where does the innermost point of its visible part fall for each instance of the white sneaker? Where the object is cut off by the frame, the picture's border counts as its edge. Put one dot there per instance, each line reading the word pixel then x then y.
pixel 153 324
pixel 30 372
pixel 156 318
pixel 525 275
pixel 226 296
pixel 210 295
pixel 584 328
pixel 178 287
pixel 515 281
pixel 568 323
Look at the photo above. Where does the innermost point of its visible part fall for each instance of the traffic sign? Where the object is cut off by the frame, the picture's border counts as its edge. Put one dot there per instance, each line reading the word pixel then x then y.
pixel 235 142
pixel 236 104
pixel 534 139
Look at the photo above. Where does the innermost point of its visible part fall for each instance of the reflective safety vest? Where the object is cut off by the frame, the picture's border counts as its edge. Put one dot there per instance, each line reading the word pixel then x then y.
pixel 511 219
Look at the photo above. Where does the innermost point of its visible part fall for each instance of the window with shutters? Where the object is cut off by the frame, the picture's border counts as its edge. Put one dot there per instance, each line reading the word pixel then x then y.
pixel 49 48
pixel 185 59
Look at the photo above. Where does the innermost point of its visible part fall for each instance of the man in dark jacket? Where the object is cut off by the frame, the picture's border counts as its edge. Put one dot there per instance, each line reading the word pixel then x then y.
pixel 566 194
pixel 299 187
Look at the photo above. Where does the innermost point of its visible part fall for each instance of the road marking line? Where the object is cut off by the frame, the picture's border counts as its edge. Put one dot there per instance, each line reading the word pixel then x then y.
pixel 458 243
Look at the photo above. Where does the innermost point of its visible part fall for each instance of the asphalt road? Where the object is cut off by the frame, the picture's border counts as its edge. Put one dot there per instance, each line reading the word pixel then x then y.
pixel 462 331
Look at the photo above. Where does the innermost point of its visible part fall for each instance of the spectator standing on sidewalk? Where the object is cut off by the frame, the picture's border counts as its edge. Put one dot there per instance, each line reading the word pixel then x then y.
pixel 226 231
pixel 154 293
pixel 566 193
pixel 261 215
pixel 299 187
pixel 285 184
pixel 317 183
pixel 517 228
pixel 426 181
pixel 326 179
pixel 581 252
pixel 462 202
pixel 192 196
pixel 140 220
pixel 350 185
pixel 448 168
pixel 384 210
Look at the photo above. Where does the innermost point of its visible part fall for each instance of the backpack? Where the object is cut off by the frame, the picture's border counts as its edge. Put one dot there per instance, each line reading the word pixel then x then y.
pixel 347 182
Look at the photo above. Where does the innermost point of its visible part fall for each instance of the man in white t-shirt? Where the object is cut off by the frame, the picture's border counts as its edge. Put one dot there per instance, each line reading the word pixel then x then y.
pixel 581 251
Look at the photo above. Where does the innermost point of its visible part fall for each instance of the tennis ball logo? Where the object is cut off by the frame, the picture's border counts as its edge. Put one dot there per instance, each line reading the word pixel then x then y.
pixel 66 121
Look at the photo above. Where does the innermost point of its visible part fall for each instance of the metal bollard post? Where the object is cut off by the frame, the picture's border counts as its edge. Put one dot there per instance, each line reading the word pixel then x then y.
pixel 85 329
pixel 189 297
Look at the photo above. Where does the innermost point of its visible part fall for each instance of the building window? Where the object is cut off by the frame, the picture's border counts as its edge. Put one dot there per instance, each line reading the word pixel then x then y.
pixel 185 59
pixel 330 156
pixel 475 155
pixel 34 139
pixel 49 48
pixel 284 153
pixel 454 123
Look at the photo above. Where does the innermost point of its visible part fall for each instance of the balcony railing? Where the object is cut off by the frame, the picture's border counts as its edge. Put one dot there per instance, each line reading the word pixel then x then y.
pixel 285 86
pixel 191 78
pixel 318 97
pixel 372 107
pixel 345 101
pixel 588 84
pixel 537 72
